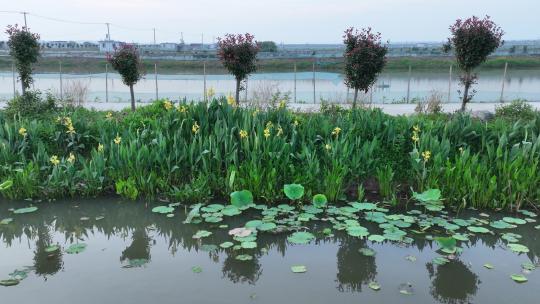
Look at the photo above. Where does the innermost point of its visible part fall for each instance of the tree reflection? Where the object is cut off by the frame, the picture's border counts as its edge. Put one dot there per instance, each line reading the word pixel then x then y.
pixel 139 248
pixel 46 263
pixel 241 271
pixel 452 283
pixel 354 269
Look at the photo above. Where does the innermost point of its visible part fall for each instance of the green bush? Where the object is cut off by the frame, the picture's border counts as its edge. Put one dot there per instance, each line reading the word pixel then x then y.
pixel 30 104
pixel 518 109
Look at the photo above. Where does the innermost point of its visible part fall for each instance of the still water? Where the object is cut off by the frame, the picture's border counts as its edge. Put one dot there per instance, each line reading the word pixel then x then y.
pixel 336 271
pixel 391 87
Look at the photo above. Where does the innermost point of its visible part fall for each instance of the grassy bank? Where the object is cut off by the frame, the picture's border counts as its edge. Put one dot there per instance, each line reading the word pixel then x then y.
pixel 96 65
pixel 193 152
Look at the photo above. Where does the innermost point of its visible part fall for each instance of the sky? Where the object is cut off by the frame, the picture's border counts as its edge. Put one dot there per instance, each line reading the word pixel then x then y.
pixel 282 21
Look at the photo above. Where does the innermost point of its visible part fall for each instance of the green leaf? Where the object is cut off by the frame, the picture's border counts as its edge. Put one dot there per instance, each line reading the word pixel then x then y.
pixel 376 238
pixel 9 282
pixel 226 245
pixel 528 266
pixel 513 220
pixel 6 185
pixel 357 231
pixel 194 212
pixel 519 278
pixel 241 198
pixel 6 221
pixel 430 195
pixel 136 263
pixel 294 191
pixel 488 266
pixel 76 248
pixel 196 269
pixel 52 248
pixel 301 237
pixel 244 257
pixel 202 234
pixel 248 245
pixel 477 229
pixel 231 210
pixel 501 225
pixel 162 209
pixel 518 248
pixel 375 286
pixel 25 210
pixel 319 200
pixel 266 226
pixel 440 261
pixel 367 252
pixel 448 244
pixel 298 268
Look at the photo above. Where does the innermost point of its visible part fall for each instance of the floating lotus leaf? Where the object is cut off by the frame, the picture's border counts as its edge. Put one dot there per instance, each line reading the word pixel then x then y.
pixel 212 208
pixel 447 244
pixel 305 217
pixel 513 220
pixel 248 245
pixel 9 282
pixel 488 266
pixel 231 210
pixel 357 231
pixel 528 266
pixel 298 268
pixel 312 209
pixel 518 248
pixel 367 252
pixel 52 248
pixel 76 248
pixel 376 238
pixel 241 198
pixel 301 237
pixel 406 289
pixel 136 263
pixel 410 258
pixel 501 225
pixel 202 234
pixel 266 226
pixel 519 278
pixel 477 229
pixel 440 261
pixel 294 191
pixel 461 222
pixel 226 245
pixel 19 274
pixel 374 285
pixel 162 209
pixel 461 237
pixel 244 257
pixel 196 269
pixel 286 207
pixel 253 224
pixel 6 221
pixel 528 213
pixel 25 210
pixel 240 232
pixel 511 237
pixel 319 200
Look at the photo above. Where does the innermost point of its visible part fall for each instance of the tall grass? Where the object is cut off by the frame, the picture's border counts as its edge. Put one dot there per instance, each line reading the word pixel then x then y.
pixel 196 152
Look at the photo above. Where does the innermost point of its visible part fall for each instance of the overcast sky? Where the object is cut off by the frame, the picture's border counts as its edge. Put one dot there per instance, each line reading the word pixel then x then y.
pixel 288 21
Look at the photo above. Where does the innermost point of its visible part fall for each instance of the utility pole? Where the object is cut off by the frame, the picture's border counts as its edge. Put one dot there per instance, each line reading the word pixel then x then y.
pixel 25 25
pixel 503 80
pixel 155 74
pixel 108 31
pixel 61 84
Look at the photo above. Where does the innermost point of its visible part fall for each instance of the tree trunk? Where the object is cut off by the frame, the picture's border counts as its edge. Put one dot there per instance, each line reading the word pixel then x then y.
pixel 355 98
pixel 238 91
pixel 23 88
pixel 132 97
pixel 467 85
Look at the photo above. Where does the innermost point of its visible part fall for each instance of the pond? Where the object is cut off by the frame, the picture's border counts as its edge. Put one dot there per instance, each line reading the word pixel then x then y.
pixel 391 86
pixel 134 255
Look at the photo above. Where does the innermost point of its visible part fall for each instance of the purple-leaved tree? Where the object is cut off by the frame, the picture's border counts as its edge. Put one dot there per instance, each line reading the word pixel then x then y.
pixel 472 41
pixel 238 53
pixel 127 62
pixel 365 57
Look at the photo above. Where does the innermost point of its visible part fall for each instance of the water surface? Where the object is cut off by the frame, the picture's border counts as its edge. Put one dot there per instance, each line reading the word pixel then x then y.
pixel 337 272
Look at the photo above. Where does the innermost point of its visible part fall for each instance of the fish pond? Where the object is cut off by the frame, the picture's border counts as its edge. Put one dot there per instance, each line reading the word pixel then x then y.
pixel 111 251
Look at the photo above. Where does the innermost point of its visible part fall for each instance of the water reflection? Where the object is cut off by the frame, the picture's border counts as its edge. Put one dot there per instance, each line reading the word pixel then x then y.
pixel 145 233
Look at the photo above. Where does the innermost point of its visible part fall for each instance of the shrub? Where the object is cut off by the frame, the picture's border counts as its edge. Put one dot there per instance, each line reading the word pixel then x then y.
pixel 30 104
pixel 518 109
pixel 24 48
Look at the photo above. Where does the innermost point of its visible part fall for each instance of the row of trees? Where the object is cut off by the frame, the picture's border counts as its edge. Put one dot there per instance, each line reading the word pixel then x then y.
pixel 472 41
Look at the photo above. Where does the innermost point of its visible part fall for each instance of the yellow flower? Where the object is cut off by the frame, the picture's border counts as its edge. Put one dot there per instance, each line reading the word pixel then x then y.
pixel 109 115
pixel 243 134
pixel 336 131
pixel 71 129
pixel 210 93
pixel 255 112
pixel 296 123
pixel 282 104
pixel 182 109
pixel 426 155
pixel 461 149
pixel 22 131
pixel 58 119
pixel 54 160
pixel 100 147
pixel 279 131
pixel 415 137
pixel 269 125
pixel 195 128
pixel 266 133
pixel 71 158
pixel 416 128
pixel 230 100
pixel 67 121
pixel 328 147
pixel 118 140
pixel 167 105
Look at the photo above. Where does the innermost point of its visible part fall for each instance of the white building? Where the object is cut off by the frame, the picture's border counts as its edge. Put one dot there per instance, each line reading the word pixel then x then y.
pixel 108 46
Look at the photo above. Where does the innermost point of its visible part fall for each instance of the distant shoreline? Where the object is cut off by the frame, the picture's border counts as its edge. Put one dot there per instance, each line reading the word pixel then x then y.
pixel 85 65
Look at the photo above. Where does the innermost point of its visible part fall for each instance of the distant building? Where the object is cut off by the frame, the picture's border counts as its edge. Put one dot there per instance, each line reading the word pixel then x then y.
pixel 108 46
